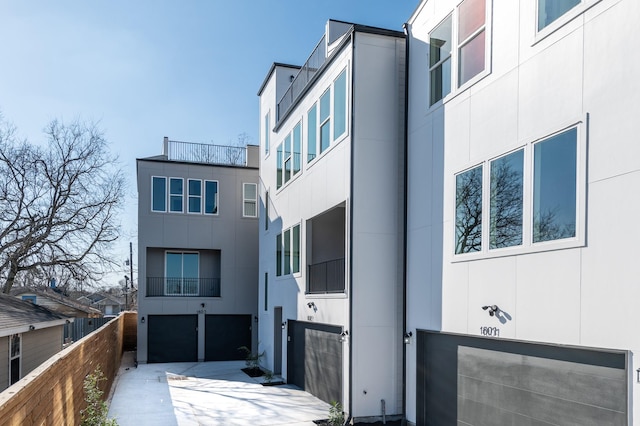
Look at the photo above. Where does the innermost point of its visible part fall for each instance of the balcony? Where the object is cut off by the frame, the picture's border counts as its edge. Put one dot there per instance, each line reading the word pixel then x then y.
pixel 204 153
pixel 326 277
pixel 183 287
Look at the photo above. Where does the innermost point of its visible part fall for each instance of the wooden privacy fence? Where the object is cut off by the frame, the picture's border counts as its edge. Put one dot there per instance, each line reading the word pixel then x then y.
pixel 53 393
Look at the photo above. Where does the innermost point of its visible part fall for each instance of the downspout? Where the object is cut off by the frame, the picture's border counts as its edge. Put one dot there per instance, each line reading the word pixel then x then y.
pixel 405 172
pixel 350 340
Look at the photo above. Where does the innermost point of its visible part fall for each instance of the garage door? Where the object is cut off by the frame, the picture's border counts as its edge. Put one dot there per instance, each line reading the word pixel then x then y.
pixel 224 334
pixel 476 381
pixel 314 359
pixel 172 338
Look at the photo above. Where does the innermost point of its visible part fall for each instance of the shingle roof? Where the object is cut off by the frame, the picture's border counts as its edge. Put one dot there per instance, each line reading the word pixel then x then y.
pixel 15 313
pixel 56 297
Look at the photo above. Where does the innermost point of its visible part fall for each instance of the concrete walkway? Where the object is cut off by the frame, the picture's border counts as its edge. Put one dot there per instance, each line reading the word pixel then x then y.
pixel 206 393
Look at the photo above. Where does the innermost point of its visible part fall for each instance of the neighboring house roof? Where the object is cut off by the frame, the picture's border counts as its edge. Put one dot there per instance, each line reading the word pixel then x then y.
pixel 55 297
pixel 18 316
pixel 102 299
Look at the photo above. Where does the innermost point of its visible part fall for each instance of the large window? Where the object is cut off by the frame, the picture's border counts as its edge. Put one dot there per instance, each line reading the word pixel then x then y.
pixel 210 197
pixel 471 39
pixel 550 10
pixel 249 200
pixel 461 38
pixel 158 194
pixel 325 120
pixel 195 196
pixel 469 211
pixel 176 196
pixel 440 60
pixel 506 200
pixel 527 205
pixel 182 274
pixel 288 251
pixel 554 187
pixel 340 105
pixel 289 156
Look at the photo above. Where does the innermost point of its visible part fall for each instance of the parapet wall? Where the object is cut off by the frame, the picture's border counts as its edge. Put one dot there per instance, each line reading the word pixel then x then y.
pixel 53 393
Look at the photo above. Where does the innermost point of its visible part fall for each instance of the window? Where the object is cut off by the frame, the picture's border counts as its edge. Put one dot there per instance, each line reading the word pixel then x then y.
pixel 176 195
pixel 288 251
pixel 266 211
pixel 554 187
pixel 267 131
pixel 210 197
pixel 279 167
pixel 312 132
pixel 266 290
pixel 295 253
pixel 195 196
pixel 340 105
pixel 279 255
pixel 15 349
pixel 550 10
pixel 182 274
pixel 471 39
pixel 159 194
pixel 297 147
pixel 287 158
pixel 249 200
pixel 505 221
pixel 469 211
pixel 325 120
pixel 31 299
pixel 533 196
pixel 440 60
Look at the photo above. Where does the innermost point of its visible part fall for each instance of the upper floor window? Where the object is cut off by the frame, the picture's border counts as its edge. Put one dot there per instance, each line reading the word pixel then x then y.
pixel 210 197
pixel 550 195
pixel 250 200
pixel 194 201
pixel 176 197
pixel 289 156
pixel 159 194
pixel 440 60
pixel 550 10
pixel 288 251
pixel 460 39
pixel 340 105
pixel 312 131
pixel 181 273
pixel 325 120
pixel 267 131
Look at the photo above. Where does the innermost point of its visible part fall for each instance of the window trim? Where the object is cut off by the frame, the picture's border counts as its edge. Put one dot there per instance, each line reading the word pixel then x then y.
pixel 250 200
pixel 166 191
pixel 528 246
pixel 189 196
pixel 563 20
pixel 169 210
pixel 216 198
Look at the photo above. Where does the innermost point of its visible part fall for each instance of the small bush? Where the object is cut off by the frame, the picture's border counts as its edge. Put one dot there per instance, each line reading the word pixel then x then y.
pixel 96 412
pixel 336 415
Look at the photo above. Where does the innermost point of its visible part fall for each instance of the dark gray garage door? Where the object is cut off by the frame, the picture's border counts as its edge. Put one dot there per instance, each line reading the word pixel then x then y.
pixel 475 381
pixel 314 359
pixel 172 338
pixel 224 334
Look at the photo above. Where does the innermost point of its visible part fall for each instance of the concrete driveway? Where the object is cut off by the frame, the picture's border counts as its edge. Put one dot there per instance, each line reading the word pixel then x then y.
pixel 206 393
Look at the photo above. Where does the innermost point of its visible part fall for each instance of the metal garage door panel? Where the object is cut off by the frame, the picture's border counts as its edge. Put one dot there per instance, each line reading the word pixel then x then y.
pixel 224 334
pixel 172 338
pixel 494 382
pixel 315 359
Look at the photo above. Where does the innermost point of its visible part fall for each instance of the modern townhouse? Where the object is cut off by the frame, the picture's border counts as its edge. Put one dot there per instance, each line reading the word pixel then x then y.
pixel 523 169
pixel 197 252
pixel 331 203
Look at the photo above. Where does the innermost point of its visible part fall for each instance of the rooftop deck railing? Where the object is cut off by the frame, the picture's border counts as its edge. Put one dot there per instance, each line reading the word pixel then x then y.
pixel 306 73
pixel 205 153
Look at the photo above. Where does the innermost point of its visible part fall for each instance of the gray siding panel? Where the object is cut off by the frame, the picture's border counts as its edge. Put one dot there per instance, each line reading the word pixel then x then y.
pixel 4 363
pixel 40 345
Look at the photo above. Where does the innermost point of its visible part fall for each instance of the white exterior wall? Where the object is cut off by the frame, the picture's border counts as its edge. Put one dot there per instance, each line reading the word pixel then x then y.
pixel 377 72
pixel 579 293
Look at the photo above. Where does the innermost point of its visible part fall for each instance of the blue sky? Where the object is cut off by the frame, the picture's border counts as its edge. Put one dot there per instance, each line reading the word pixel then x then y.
pixel 189 70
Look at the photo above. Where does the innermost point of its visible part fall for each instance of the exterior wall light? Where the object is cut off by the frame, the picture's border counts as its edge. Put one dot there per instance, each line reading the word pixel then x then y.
pixel 492 309
pixel 407 337
pixel 142 320
pixel 32 327
pixel 343 336
pixel 284 325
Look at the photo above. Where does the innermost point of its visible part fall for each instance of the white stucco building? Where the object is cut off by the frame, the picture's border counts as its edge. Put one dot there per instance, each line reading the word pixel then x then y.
pixel 331 196
pixel 523 165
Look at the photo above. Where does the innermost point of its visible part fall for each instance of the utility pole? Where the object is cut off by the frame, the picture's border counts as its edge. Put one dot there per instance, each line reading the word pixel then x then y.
pixel 128 278
pixel 131 262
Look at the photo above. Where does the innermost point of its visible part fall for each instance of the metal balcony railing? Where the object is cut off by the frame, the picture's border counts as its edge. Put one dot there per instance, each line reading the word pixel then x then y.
pixel 183 287
pixel 306 73
pixel 326 277
pixel 205 153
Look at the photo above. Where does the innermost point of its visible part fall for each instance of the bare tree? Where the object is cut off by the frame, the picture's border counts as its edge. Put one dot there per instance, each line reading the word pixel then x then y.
pixel 58 203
